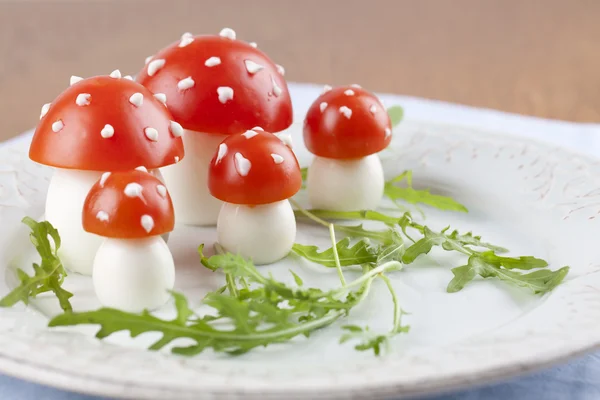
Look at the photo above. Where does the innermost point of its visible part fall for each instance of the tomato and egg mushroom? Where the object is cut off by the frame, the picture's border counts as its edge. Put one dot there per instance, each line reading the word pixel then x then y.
pixel 215 86
pixel 133 267
pixel 99 124
pixel 255 174
pixel 344 128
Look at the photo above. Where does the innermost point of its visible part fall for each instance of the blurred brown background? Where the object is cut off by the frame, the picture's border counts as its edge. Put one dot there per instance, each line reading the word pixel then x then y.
pixel 537 57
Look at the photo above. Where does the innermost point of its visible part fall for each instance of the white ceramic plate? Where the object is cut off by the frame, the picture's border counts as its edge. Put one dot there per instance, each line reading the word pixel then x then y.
pixel 531 197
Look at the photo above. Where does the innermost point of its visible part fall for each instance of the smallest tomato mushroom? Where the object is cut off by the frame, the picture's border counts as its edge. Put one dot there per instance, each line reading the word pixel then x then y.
pixel 344 128
pixel 255 174
pixel 133 269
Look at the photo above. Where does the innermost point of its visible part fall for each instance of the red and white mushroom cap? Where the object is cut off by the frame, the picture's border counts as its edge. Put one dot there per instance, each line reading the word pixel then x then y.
pixel 347 122
pixel 128 205
pixel 217 84
pixel 254 168
pixel 106 123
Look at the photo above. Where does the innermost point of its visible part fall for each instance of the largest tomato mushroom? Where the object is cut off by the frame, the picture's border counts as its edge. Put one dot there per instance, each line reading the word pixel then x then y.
pixel 98 124
pixel 345 127
pixel 215 86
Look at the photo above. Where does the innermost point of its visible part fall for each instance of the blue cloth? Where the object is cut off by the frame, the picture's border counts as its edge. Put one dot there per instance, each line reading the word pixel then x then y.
pixel 577 380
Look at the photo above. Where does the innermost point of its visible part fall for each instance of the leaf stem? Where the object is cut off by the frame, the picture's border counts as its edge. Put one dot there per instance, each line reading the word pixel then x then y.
pixel 336 256
pixel 308 214
pixel 397 310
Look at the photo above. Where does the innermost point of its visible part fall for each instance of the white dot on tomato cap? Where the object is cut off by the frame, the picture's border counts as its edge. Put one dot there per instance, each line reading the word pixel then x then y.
pixel 277 158
pixel 107 132
pixel 257 128
pixel 137 99
pixel 133 189
pixel 249 134
pixel 346 111
pixel 388 132
pixel 83 99
pixel 151 134
pixel 102 216
pixel 222 152
pixel 253 67
pixel 147 223
pixel 186 39
pixel 242 164
pixel 141 168
pixel 326 88
pixel 253 44
pixel 280 69
pixel 212 62
pixel 155 65
pixel 349 92
pixel 148 59
pixel 57 126
pixel 276 89
pixel 176 129
pixel 225 94
pixel 74 79
pixel 45 109
pixel 115 74
pixel 186 83
pixel 161 97
pixel 322 106
pixel 227 33
pixel 373 109
pixel 162 190
pixel 103 178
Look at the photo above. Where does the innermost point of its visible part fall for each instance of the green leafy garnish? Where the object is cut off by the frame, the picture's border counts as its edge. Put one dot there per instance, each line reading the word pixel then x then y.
pixel 483 258
pixel 48 275
pixel 414 196
pixel 253 316
pixel 360 253
pixel 396 114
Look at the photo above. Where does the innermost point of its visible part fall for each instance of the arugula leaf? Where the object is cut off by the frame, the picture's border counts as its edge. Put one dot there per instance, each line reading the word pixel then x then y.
pixel 386 237
pixel 304 173
pixel 468 239
pixel 360 253
pixel 48 275
pixel 413 196
pixel 396 114
pixel 523 262
pixel 489 265
pixel 462 276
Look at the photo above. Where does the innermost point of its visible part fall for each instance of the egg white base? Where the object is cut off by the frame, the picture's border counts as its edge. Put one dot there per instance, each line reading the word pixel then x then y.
pixel 133 274
pixel 64 204
pixel 188 180
pixel 264 233
pixel 345 185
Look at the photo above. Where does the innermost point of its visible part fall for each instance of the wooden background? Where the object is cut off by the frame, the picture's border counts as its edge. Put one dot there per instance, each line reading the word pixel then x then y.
pixel 537 57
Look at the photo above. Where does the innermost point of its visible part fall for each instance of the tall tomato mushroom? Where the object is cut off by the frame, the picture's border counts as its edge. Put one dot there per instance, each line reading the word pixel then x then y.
pixel 97 125
pixel 345 127
pixel 215 86
pixel 254 174
pixel 133 268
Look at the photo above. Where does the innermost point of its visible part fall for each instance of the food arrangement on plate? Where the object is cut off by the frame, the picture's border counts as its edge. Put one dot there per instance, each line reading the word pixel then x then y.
pixel 198 139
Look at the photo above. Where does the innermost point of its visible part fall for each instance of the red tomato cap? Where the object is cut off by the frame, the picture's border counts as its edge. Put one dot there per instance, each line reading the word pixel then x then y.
pixel 347 122
pixel 128 205
pixel 254 168
pixel 216 84
pixel 106 124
